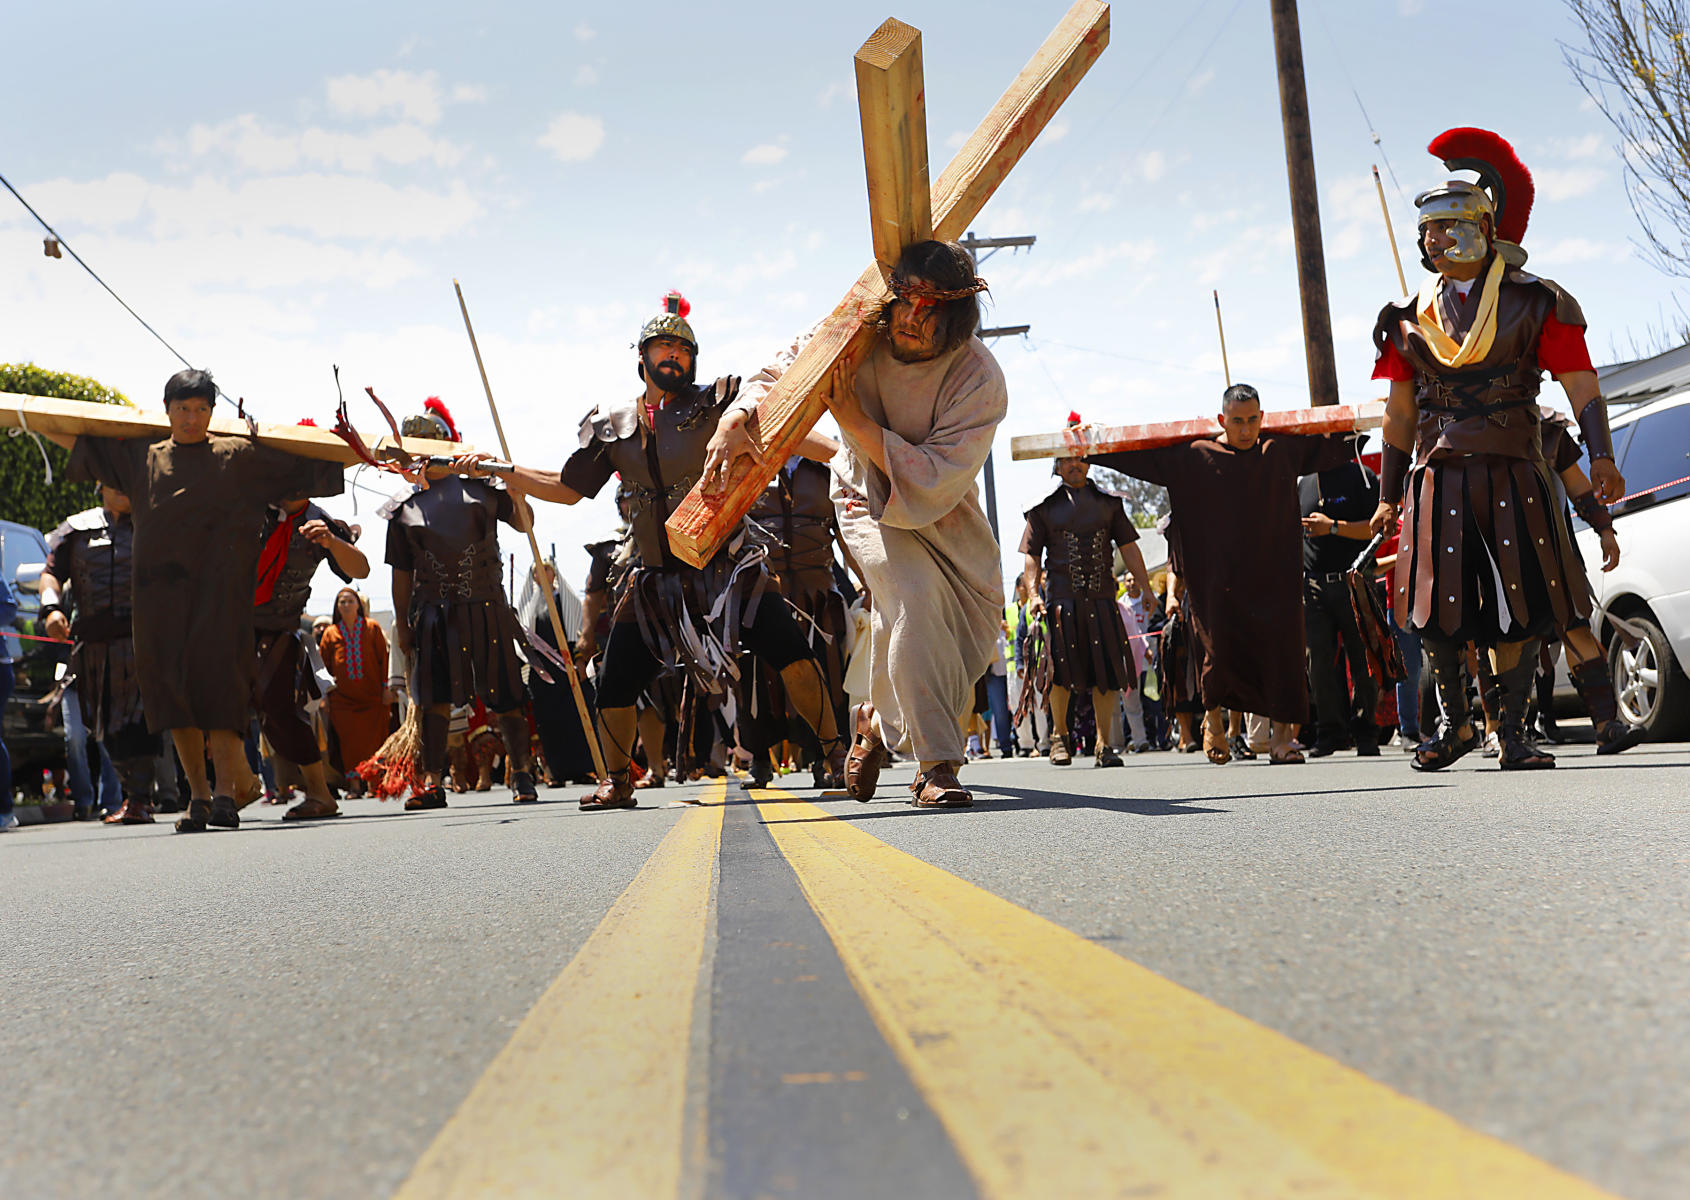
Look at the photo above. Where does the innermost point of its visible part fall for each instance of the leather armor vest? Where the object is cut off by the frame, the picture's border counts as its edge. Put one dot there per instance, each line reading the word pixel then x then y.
pixel 1079 556
pixel 293 585
pixel 1491 407
pixel 659 469
pixel 793 519
pixel 452 530
pixel 101 575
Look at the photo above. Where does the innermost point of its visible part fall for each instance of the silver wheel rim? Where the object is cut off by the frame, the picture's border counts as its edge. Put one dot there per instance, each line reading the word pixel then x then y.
pixel 1637 682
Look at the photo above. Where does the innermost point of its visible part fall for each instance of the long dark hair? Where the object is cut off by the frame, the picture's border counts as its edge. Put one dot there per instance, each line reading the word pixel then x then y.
pixel 947 267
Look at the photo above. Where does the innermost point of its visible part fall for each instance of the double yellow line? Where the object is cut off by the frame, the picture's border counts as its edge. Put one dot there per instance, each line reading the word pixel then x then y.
pixel 1058 1068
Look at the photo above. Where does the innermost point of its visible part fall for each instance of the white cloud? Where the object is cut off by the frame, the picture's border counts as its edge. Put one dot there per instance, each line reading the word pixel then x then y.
pixel 415 96
pixel 1046 273
pixel 1153 165
pixel 1588 146
pixel 955 141
pixel 765 155
pixel 1567 183
pixel 586 77
pixel 1200 81
pixel 251 145
pixel 1578 250
pixel 1095 202
pixel 469 93
pixel 573 136
pixel 1411 8
pixel 834 91
pixel 585 32
pixel 1057 130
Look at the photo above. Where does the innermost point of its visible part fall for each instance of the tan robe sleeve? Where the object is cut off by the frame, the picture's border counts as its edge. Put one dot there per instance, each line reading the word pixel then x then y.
pixel 931 477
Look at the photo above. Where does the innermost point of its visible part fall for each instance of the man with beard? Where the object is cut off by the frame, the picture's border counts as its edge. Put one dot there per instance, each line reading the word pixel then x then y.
pixel 669 612
pixel 198 503
pixel 451 611
pixel 298 536
pixel 94 557
pixel 1482 557
pixel 917 415
pixel 1075 532
pixel 1236 534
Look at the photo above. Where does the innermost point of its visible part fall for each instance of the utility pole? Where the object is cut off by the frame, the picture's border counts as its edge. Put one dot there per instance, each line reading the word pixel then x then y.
pixel 991 246
pixel 1305 204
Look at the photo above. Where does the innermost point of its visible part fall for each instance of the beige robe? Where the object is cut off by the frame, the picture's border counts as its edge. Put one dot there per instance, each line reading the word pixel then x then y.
pixel 923 541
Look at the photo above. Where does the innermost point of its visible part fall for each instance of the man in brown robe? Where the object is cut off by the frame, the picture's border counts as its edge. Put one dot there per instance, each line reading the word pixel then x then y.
pixel 1237 534
pixel 199 501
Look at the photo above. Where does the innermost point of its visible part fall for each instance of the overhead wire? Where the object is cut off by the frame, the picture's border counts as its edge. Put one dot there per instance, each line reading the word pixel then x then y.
pixel 1367 120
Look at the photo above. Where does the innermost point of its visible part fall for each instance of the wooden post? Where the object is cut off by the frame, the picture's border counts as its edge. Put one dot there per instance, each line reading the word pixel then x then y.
pixel 81 417
pixel 1305 204
pixel 893 108
pixel 1081 441
pixel 698 526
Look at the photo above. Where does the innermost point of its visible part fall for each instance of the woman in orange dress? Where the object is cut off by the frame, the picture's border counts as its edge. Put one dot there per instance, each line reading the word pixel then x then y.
pixel 355 652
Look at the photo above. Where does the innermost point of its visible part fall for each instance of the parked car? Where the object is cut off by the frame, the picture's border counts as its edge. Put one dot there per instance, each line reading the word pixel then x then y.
pixel 34 737
pixel 1650 589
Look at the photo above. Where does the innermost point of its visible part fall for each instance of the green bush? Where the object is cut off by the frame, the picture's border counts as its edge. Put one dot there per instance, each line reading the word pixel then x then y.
pixel 24 495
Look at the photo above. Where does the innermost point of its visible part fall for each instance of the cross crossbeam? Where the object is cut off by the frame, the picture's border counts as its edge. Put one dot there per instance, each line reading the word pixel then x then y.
pixel 1081 441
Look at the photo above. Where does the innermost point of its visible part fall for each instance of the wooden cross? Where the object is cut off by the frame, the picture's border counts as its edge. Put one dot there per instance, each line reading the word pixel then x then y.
pixel 1081 441
pixel 77 418
pixel 902 211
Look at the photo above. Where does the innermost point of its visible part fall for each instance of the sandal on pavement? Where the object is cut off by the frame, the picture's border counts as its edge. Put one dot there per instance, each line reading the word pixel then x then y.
pixel 615 790
pixel 225 813
pixel 133 812
pixel 939 788
pixel 434 797
pixel 1059 756
pixel 1291 758
pixel 867 756
pixel 1441 751
pixel 193 820
pixel 1518 754
pixel 1215 747
pixel 522 788
pixel 312 809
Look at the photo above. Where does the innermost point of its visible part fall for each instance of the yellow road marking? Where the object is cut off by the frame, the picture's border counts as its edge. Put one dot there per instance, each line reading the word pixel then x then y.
pixel 587 1099
pixel 1060 1068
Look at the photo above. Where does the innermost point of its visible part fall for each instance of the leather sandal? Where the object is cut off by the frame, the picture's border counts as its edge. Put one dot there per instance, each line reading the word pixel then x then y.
pixel 133 812
pixel 1617 736
pixel 615 790
pixel 1437 753
pixel 522 788
pixel 1059 755
pixel 225 813
pixel 1517 753
pixel 434 797
pixel 1107 757
pixel 863 764
pixel 312 809
pixel 938 788
pixel 1215 747
pixel 193 820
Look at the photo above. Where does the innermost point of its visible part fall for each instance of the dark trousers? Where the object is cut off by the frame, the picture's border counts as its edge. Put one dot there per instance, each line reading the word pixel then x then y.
pixel 997 694
pixel 1330 624
pixel 280 714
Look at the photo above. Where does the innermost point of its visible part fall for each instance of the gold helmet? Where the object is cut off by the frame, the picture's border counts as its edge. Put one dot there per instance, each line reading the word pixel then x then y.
pixel 671 322
pixel 1504 193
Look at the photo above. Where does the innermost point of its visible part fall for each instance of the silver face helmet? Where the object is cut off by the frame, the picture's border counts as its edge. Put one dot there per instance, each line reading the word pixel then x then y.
pixel 1464 206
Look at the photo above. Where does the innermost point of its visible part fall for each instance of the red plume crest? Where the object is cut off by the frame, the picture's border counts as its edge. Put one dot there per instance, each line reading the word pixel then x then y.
pixel 674 302
pixel 433 405
pixel 1468 149
pixel 1074 419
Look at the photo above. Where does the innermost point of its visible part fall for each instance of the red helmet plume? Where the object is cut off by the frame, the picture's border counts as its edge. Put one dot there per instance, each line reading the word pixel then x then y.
pixel 674 302
pixel 433 404
pixel 1501 173
pixel 1074 419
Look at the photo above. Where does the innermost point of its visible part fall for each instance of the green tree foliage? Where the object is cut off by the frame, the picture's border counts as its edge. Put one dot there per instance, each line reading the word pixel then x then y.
pixel 25 496
pixel 1146 502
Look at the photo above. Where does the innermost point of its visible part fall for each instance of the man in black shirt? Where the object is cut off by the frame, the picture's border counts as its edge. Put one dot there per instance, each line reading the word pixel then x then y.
pixel 1337 504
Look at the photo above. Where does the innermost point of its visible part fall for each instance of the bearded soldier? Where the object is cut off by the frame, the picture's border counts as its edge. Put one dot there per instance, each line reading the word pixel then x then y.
pixel 452 612
pixel 670 613
pixel 1483 556
pixel 90 572
pixel 1075 531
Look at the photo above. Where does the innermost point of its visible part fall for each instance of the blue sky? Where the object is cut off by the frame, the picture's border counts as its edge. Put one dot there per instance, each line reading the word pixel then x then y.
pixel 281 190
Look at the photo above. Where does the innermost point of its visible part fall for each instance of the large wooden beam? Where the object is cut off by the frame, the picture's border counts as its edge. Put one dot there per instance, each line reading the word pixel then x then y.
pixel 893 108
pixel 791 408
pixel 1083 441
pixel 77 418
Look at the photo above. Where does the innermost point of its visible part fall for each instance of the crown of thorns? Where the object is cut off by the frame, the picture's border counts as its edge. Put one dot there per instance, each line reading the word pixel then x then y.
pixel 918 289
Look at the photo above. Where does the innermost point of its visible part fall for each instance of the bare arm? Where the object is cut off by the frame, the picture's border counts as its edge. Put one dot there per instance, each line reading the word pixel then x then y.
pixel 1402 418
pixel 1134 558
pixel 522 481
pixel 56 624
pixel 402 610
pixel 1035 576
pixel 346 556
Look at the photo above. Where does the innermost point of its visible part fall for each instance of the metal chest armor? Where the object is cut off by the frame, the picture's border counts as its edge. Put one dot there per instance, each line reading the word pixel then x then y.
pixel 452 528
pixel 659 470
pixel 1079 557
pixel 793 519
pixel 102 575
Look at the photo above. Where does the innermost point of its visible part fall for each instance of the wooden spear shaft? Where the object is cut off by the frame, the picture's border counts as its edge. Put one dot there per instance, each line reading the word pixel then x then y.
pixel 1221 329
pixel 1396 255
pixel 539 563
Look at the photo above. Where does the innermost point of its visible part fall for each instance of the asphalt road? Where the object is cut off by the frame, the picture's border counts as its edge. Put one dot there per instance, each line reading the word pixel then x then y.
pixel 1171 979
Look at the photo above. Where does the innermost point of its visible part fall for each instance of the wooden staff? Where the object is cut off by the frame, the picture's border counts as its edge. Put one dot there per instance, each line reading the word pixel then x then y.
pixel 1379 187
pixel 534 545
pixel 1221 329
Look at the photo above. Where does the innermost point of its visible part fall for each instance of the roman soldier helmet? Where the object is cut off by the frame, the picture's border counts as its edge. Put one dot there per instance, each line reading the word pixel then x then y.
pixel 1504 192
pixel 671 322
pixel 1074 422
pixel 434 421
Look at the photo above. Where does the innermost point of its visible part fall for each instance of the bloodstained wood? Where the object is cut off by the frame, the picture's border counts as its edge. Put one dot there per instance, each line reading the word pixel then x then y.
pixel 791 408
pixel 1081 441
pixel 77 418
pixel 893 108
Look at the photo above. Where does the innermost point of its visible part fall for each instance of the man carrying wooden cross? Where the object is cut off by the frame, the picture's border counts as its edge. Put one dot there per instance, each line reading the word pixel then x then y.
pixel 198 502
pixel 1483 557
pixel 918 416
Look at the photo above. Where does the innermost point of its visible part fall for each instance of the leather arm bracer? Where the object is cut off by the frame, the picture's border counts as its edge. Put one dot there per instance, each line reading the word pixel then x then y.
pixel 1393 474
pixel 1593 425
pixel 1593 512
